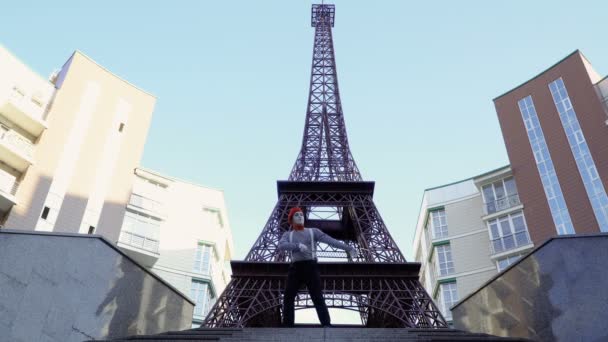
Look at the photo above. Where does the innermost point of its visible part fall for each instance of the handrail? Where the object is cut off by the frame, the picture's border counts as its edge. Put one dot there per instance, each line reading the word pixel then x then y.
pixel 502 204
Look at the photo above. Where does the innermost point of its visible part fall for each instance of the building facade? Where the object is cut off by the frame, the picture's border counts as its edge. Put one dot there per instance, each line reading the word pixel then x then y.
pixel 182 233
pixel 555 130
pixel 466 233
pixel 68 146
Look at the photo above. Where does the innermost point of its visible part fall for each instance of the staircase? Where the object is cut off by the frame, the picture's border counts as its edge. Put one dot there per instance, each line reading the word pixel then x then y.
pixel 317 334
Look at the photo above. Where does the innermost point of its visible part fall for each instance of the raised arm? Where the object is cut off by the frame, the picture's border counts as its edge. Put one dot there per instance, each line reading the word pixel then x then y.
pixel 322 237
pixel 285 245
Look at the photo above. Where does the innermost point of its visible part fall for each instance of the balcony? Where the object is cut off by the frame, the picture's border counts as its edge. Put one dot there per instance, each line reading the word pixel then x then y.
pixel 147 206
pixel 15 150
pixel 502 204
pixel 8 190
pixel 510 243
pixel 141 248
pixel 25 111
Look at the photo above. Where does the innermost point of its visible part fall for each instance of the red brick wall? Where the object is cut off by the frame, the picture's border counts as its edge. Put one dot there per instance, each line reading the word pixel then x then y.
pixel 591 118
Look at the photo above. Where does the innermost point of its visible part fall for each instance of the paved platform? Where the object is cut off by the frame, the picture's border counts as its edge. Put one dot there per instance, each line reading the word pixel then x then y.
pixel 317 334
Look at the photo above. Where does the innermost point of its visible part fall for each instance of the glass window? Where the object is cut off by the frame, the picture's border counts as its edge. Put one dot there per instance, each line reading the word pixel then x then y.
pixel 439 223
pixel 213 217
pixel 202 297
pixel 503 263
pixel 508 232
pixel 445 265
pixel 560 215
pixel 580 150
pixel 137 223
pixel 500 195
pixel 449 297
pixel 202 259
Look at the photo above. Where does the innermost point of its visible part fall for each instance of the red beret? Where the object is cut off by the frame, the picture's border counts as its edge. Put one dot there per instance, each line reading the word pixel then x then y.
pixel 291 212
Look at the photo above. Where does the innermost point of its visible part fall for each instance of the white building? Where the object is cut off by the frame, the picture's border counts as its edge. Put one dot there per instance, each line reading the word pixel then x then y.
pixel 181 231
pixel 466 233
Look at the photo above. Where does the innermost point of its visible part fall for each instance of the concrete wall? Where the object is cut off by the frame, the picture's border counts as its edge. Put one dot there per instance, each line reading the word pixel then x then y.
pixel 68 288
pixel 556 293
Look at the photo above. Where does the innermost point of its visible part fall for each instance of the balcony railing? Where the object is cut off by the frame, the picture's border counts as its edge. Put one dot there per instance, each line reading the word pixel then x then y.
pixel 140 241
pixel 510 242
pixel 18 142
pixel 8 185
pixel 502 204
pixel 27 105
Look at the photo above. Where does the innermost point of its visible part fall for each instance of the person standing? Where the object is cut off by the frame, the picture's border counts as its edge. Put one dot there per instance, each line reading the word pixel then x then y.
pixel 301 242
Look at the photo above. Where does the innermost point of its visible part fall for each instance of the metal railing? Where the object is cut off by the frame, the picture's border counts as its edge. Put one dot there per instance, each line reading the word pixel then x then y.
pixel 18 142
pixel 27 105
pixel 510 242
pixel 502 204
pixel 8 185
pixel 139 241
pixel 142 202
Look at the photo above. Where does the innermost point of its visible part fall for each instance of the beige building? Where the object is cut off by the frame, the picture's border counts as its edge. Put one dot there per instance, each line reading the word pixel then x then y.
pixel 181 231
pixel 68 146
pixel 466 233
pixel 69 151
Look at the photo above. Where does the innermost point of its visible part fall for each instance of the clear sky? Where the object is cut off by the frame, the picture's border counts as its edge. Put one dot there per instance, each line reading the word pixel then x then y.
pixel 417 79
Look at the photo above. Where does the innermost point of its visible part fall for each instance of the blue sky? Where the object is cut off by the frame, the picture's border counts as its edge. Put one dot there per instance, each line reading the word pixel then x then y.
pixel 417 81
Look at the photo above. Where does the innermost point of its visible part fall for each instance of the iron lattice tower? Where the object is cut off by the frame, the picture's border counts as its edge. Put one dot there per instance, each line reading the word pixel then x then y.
pixel 325 182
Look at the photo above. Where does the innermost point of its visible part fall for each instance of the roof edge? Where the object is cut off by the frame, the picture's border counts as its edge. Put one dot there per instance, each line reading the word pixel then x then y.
pixel 468 179
pixel 111 73
pixel 539 74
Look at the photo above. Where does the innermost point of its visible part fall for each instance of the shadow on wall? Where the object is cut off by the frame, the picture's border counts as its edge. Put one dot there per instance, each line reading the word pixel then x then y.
pixel 556 293
pixel 135 305
pixel 27 213
pixel 73 287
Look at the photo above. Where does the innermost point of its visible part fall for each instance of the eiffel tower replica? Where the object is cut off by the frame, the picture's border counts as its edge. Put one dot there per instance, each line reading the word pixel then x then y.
pixel 325 182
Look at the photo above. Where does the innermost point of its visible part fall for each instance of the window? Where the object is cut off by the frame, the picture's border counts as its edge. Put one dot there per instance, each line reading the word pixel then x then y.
pixel 45 213
pixel 444 260
pixel 508 232
pixel 439 224
pixel 121 126
pixel 582 154
pixel 91 230
pixel 500 195
pixel 202 259
pixel 141 224
pixel 449 297
pixel 544 164
pixel 213 217
pixel 202 297
pixel 503 263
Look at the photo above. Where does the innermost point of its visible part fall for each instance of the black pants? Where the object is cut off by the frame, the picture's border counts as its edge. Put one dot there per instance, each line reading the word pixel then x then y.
pixel 306 272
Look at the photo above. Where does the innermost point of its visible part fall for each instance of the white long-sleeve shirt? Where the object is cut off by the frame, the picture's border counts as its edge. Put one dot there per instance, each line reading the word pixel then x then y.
pixel 303 237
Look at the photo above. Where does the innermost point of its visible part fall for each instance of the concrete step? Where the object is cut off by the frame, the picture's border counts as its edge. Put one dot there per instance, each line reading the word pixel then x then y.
pixel 317 334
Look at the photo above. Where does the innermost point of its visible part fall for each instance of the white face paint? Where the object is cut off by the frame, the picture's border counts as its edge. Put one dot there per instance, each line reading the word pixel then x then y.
pixel 298 218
